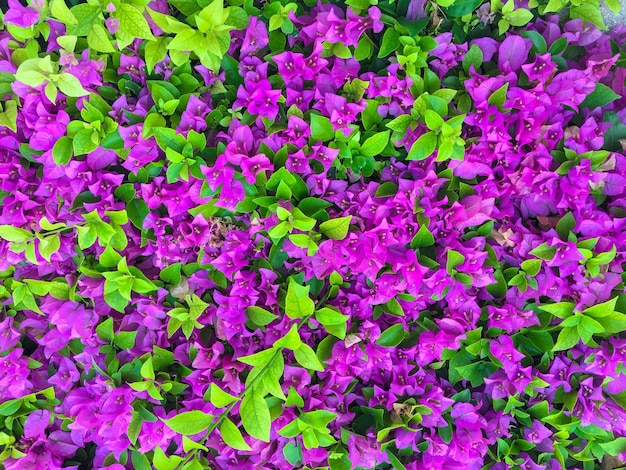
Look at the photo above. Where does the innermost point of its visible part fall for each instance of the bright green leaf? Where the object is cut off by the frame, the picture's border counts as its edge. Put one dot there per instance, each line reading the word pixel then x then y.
pixel 255 415
pixel 232 436
pixel 132 22
pixel 306 357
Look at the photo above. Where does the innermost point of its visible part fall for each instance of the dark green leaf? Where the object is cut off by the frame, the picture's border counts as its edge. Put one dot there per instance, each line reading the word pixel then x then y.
pixel 539 43
pixel 566 225
pixel 462 8
pixel 601 96
pixel 392 336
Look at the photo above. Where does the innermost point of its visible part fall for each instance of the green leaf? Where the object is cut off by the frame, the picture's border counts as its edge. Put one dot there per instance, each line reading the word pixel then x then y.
pixel 29 72
pixel 401 123
pixel 369 115
pixel 392 336
pixel 155 52
pixel 337 229
pixel 394 308
pixel 85 15
pixel 125 339
pixel 558 46
pixel 423 147
pixel 255 415
pixel 321 128
pixel 328 316
pixel 473 57
pixel 615 447
pixel 498 97
pixel 186 40
pixel 614 5
pixel 86 236
pixel 589 327
pixel 613 323
pixel 189 423
pixel 375 144
pixel 298 304
pixel 433 120
pixel 462 7
pixel 140 461
pixel 8 118
pixel 568 338
pixel 189 445
pixel 9 407
pixel 560 309
pixel 171 274
pixel 291 340
pixel 544 252
pixel 147 370
pixel 99 40
pixel 83 142
pixel 390 42
pixel 132 22
pixel 602 310
pixel 219 397
pixel 61 12
pixel 539 43
pixel 260 359
pixel 232 435
pixel 519 17
pixel 422 238
pixel 134 427
pixel 531 266
pixel 305 355
pixel 294 398
pixel 116 300
pixel 503 26
pixel 565 226
pixel 590 13
pixel 293 454
pixel 606 257
pixel 259 316
pixel 238 18
pixel 62 151
pixel 105 330
pixel 58 290
pixel 454 260
pixel 49 245
pixel 70 85
pixel 601 96
pixel 554 6
pixel 137 211
pixel 14 234
pixel 213 14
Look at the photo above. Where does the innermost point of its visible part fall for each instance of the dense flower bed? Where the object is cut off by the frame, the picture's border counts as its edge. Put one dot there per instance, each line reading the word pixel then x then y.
pixel 272 235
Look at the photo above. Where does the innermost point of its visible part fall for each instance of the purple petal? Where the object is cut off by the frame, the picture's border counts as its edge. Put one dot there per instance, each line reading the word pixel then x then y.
pixel 513 53
pixel 36 423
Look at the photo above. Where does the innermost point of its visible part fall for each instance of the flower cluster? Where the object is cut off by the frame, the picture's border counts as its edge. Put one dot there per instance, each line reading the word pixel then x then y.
pixel 303 235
